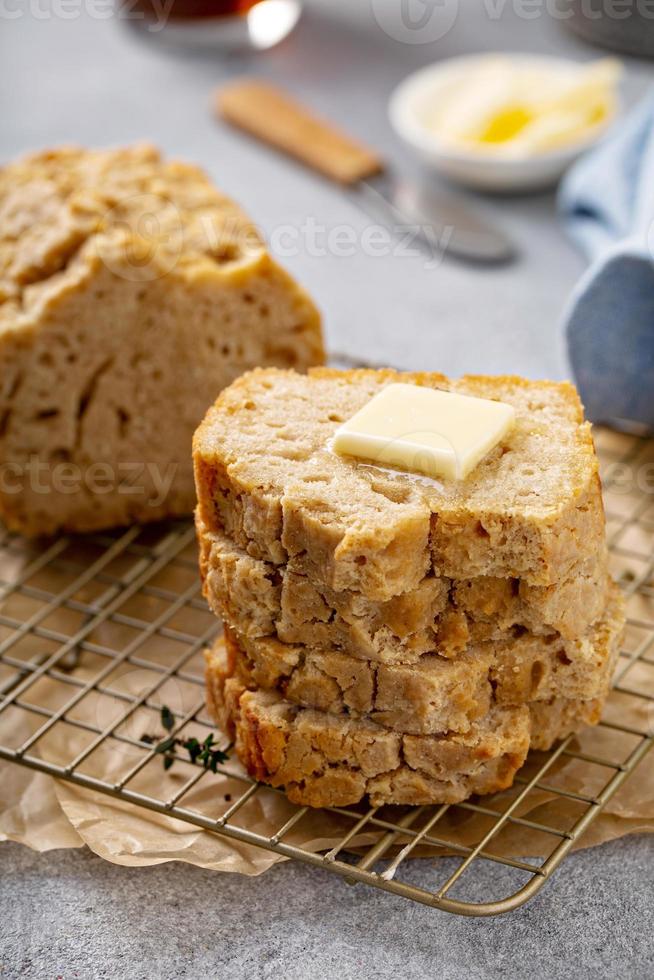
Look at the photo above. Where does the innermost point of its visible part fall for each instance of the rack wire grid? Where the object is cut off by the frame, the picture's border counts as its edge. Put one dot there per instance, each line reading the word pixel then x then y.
pixel 79 615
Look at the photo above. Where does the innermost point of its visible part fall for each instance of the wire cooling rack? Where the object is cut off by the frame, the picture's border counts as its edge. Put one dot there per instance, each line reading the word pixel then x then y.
pixel 98 632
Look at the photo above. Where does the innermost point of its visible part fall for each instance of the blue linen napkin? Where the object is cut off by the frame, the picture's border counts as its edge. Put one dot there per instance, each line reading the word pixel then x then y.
pixel 607 203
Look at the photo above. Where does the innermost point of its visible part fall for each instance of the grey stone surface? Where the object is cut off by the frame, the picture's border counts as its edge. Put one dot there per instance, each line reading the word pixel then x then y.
pixel 71 915
pixel 89 80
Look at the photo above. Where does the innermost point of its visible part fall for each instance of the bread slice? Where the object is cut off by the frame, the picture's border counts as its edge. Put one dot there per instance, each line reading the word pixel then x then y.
pixel 258 598
pixel 435 694
pixel 323 759
pixel 131 291
pixel 330 760
pixel 266 477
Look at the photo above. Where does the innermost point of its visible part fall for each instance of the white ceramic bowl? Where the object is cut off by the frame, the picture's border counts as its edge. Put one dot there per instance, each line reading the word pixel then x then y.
pixel 477 168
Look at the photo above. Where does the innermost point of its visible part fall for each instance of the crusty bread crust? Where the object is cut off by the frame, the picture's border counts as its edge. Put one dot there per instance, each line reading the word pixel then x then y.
pixel 323 759
pixel 435 694
pixel 266 477
pixel 131 291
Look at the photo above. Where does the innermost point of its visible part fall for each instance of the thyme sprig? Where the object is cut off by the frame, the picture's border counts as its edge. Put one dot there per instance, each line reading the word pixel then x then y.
pixel 199 753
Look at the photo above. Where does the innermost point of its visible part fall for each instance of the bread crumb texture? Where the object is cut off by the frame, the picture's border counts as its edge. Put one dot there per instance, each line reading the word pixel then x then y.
pixel 131 292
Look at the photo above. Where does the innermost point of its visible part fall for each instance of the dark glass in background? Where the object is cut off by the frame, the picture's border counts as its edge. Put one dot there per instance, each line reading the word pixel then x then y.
pixel 214 24
pixel 190 9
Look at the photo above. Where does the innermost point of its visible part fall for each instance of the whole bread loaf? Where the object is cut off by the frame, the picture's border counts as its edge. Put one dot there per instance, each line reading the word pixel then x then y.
pixel 267 477
pixel 131 291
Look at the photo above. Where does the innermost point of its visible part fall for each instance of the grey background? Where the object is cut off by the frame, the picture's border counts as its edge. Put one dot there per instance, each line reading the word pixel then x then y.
pixel 73 915
pixel 92 81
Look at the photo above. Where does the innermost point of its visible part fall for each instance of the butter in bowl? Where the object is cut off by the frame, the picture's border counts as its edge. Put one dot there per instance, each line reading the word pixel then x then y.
pixel 502 122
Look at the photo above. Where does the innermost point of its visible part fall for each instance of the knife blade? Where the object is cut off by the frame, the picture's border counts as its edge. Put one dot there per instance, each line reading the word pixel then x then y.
pixel 440 220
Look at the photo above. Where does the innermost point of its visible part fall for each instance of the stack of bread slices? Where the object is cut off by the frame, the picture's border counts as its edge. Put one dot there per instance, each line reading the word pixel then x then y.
pixel 393 637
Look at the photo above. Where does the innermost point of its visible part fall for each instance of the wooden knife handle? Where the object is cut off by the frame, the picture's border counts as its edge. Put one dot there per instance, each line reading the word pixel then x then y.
pixel 269 114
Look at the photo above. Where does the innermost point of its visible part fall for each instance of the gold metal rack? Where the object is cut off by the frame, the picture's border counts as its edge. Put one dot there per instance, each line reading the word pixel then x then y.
pixel 80 618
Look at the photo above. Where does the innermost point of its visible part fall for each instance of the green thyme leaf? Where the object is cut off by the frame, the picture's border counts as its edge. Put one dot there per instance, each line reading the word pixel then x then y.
pixel 166 745
pixel 193 748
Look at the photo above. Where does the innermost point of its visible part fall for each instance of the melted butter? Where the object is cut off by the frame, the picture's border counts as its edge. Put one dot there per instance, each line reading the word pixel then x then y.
pixel 397 475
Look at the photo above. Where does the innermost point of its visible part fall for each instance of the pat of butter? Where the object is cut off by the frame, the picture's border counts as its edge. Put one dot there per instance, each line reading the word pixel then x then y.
pixel 425 430
pixel 519 107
